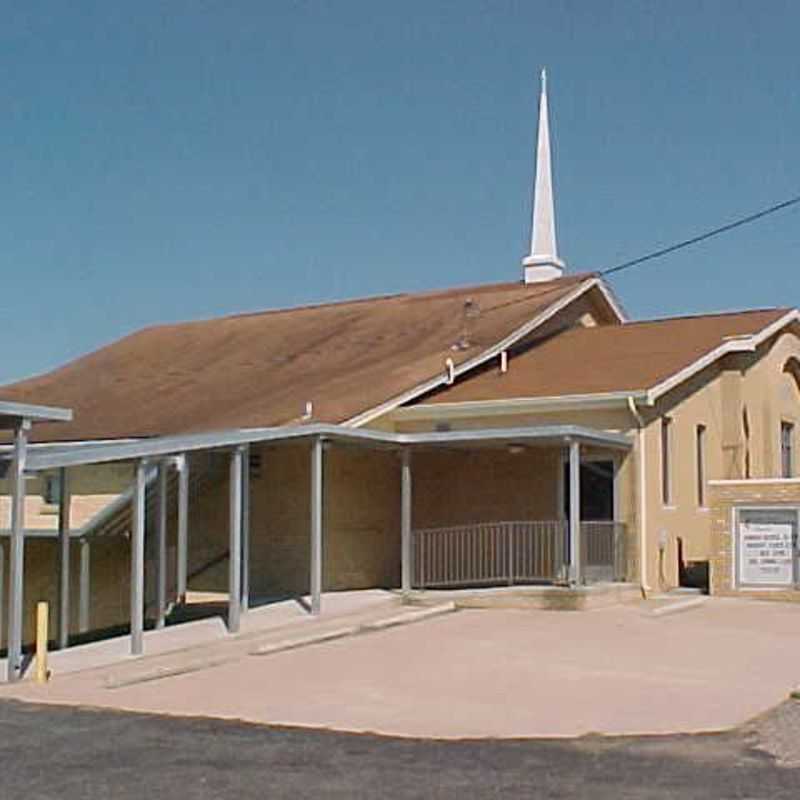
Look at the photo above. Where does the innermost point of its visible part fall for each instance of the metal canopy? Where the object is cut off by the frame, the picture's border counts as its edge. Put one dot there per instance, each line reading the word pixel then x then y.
pixel 65 456
pixel 14 412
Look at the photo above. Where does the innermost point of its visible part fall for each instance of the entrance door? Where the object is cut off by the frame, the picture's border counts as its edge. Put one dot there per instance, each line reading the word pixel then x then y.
pixel 597 490
pixel 597 515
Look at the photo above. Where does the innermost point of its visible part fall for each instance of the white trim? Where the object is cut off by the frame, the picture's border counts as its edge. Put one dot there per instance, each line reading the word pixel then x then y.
pixel 749 481
pixel 516 405
pixel 389 405
pixel 743 344
pixel 613 300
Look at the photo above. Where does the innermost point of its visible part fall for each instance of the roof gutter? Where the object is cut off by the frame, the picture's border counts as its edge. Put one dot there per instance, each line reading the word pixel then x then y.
pixel 641 456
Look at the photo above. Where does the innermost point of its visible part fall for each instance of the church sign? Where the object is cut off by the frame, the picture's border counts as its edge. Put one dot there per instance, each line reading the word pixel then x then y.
pixel 766 547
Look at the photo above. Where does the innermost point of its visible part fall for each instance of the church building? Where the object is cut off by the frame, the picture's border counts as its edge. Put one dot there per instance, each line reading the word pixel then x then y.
pixel 523 434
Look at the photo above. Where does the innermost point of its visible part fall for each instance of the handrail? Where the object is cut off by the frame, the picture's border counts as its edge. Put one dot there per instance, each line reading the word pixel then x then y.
pixel 218 559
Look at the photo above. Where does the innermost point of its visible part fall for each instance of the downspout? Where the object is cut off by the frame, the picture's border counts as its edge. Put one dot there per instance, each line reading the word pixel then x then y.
pixel 642 495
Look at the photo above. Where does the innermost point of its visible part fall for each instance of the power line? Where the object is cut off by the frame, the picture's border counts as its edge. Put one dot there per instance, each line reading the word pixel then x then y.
pixel 702 237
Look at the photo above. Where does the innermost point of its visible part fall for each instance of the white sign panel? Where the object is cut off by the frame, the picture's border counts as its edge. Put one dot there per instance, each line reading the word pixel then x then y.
pixel 766 553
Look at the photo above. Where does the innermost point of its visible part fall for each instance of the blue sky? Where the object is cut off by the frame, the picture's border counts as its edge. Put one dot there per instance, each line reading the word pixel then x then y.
pixel 170 161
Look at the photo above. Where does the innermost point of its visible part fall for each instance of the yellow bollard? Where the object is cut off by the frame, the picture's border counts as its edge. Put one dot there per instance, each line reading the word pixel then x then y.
pixel 42 674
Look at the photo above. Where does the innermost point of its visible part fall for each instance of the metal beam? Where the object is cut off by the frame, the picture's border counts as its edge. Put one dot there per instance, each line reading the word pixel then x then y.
pixel 137 560
pixel 245 528
pixel 63 557
pixel 34 413
pixel 161 545
pixel 406 565
pixel 59 455
pixel 84 597
pixel 183 526
pixel 235 545
pixel 16 561
pixel 575 512
pixel 316 526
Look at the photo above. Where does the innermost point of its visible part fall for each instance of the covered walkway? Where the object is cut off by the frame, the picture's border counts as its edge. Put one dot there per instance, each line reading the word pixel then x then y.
pixel 162 460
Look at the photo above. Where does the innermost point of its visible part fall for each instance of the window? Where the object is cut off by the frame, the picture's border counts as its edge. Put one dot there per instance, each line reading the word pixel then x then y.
pixel 700 450
pixel 787 443
pixel 746 433
pixel 666 461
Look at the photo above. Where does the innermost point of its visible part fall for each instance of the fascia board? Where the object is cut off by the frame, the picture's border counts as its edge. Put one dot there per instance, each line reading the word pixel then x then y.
pixel 744 345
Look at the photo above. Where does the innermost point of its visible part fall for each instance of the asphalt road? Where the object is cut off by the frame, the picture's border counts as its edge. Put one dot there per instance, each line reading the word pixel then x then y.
pixel 82 754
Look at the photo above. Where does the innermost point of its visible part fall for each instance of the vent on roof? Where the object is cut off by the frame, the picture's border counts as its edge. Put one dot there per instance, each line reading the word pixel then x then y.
pixel 470 312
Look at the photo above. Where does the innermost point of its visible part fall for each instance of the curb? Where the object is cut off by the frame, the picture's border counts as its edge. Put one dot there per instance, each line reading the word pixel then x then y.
pixel 403 618
pixel 677 608
pixel 339 633
pixel 163 672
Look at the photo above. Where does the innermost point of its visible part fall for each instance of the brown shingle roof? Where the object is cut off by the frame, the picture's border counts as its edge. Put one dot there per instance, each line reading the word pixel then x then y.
pixel 260 369
pixel 612 358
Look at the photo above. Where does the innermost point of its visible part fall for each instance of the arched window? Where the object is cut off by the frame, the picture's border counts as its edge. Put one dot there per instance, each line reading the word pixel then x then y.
pixel 792 367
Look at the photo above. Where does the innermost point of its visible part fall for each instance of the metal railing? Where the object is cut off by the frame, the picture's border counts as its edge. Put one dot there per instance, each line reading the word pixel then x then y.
pixel 603 550
pixel 514 552
pixel 488 553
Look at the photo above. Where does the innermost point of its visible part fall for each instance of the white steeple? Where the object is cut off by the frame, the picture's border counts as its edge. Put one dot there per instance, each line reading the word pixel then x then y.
pixel 543 263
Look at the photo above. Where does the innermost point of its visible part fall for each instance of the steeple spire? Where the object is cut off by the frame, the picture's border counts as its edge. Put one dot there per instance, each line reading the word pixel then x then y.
pixel 543 263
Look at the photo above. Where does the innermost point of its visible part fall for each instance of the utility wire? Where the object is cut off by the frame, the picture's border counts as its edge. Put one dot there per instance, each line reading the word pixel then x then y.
pixel 702 237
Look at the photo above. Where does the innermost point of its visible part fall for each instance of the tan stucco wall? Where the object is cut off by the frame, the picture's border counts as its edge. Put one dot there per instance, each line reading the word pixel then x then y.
pixel 725 497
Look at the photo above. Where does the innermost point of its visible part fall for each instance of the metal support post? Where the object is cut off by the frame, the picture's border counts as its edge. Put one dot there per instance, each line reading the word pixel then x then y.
pixel 316 526
pixel 16 561
pixel 161 546
pixel 575 512
pixel 406 554
pixel 245 528
pixel 235 545
pixel 84 598
pixel 183 526
pixel 2 587
pixel 63 558
pixel 137 560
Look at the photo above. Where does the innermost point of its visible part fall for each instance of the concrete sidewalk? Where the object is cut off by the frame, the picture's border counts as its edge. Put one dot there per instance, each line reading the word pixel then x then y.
pixel 498 673
pixel 179 641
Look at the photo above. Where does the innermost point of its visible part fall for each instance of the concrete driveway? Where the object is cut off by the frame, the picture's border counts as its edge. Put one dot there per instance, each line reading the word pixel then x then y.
pixel 497 673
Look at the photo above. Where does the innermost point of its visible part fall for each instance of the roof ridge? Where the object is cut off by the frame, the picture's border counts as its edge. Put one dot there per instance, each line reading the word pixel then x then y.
pixel 427 293
pixel 708 315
